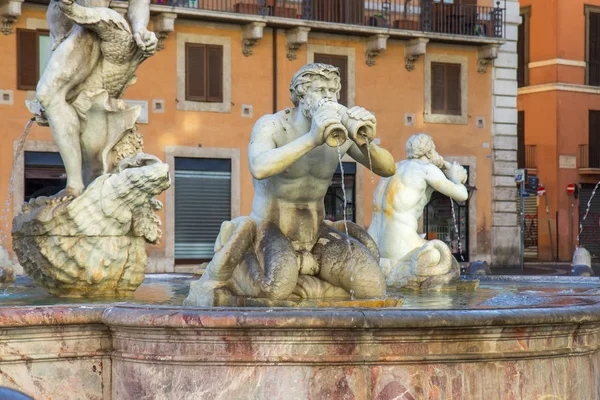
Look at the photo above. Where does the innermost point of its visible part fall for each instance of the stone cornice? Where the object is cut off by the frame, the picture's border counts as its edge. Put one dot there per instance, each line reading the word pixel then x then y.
pixel 561 87
pixel 557 61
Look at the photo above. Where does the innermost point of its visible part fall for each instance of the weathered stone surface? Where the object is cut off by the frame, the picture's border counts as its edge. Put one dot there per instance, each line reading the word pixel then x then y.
pixel 285 250
pixel 136 352
pixel 7 272
pixel 408 260
pixel 94 245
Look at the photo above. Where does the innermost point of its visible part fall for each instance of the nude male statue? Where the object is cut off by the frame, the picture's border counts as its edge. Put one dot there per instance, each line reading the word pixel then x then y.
pixel 77 49
pixel 295 252
pixel 406 258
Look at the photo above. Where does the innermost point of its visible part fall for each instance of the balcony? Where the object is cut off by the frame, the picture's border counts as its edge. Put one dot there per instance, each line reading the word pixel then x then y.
pixel 588 160
pixel 446 22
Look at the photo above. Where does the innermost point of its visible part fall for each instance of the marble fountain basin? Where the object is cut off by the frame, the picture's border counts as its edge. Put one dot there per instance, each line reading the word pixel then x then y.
pixel 512 338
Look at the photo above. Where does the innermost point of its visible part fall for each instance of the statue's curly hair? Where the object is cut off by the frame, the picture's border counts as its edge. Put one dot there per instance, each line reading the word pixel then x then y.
pixel 419 145
pixel 307 74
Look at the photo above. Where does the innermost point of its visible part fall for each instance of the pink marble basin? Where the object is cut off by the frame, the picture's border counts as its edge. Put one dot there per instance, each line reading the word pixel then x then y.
pixel 516 338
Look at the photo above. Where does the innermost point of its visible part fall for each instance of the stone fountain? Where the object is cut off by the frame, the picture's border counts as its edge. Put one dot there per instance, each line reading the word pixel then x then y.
pixel 324 324
pixel 286 250
pixel 90 239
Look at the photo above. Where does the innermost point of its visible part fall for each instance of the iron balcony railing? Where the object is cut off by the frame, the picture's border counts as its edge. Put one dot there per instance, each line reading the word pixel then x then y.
pixel 589 157
pixel 416 15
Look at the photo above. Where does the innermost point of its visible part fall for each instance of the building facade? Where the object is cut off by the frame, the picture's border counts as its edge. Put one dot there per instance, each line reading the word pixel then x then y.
pixel 447 68
pixel 559 125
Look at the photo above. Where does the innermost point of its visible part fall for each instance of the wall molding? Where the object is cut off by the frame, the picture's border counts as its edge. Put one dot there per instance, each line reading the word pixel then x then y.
pixel 561 87
pixel 557 61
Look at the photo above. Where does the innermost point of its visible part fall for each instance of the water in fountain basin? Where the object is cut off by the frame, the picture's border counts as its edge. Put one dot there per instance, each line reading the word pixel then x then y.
pixel 19 150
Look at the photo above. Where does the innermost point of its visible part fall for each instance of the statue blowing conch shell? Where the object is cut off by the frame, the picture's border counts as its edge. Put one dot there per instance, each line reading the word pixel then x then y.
pixel 90 239
pixel 285 250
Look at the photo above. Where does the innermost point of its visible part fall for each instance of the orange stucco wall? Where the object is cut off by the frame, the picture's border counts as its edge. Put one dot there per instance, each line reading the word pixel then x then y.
pixel 556 121
pixel 387 89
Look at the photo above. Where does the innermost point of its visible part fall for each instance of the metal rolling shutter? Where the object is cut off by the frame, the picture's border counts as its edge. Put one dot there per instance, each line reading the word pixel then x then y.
pixel 590 237
pixel 202 203
pixel 531 225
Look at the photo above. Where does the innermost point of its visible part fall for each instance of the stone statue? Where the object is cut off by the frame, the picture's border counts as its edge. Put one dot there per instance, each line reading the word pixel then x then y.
pixel 94 59
pixel 285 249
pixel 89 240
pixel 407 259
pixel 95 244
pixel 7 272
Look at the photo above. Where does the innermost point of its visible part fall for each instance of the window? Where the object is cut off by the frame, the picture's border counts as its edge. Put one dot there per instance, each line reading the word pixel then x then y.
pixel 438 223
pixel 342 11
pixel 593 45
pixel 521 139
pixel 203 73
pixel 334 199
pixel 44 174
pixel 445 88
pixel 342 63
pixel 523 48
pixel 33 50
pixel 593 155
pixel 202 203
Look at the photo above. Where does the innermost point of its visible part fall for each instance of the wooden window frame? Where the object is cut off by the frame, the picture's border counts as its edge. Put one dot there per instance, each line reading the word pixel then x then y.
pixel 525 13
pixel 446 110
pixel 208 73
pixel 521 139
pixel 429 117
pixel 587 10
pixel 343 79
pixel 20 57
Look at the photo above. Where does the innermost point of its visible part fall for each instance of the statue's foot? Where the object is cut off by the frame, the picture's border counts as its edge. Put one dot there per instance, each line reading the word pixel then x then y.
pixel 70 191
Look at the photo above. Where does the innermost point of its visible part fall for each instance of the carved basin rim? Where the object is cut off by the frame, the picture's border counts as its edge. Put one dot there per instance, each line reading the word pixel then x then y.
pixel 155 316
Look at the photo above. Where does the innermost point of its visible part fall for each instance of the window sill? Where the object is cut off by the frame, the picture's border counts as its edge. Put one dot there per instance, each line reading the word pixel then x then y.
pixel 224 107
pixel 446 119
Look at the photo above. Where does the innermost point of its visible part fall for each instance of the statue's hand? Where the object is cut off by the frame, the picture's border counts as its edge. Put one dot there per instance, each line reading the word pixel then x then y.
pixel 66 3
pixel 322 119
pixel 457 173
pixel 360 114
pixel 361 125
pixel 146 41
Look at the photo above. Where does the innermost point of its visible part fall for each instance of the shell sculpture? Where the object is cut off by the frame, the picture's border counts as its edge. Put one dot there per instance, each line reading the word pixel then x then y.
pixel 94 245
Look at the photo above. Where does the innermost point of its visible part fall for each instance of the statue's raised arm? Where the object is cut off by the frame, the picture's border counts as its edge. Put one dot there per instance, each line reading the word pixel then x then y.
pixel 407 259
pixel 286 250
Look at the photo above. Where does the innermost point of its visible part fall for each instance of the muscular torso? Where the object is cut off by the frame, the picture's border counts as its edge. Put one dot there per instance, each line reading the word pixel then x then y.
pixel 397 206
pixel 293 199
